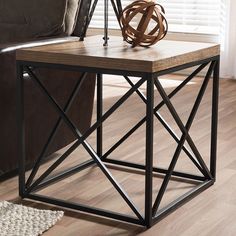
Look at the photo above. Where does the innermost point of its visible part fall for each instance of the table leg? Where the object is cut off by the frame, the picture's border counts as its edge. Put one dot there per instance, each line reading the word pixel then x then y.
pixel 21 129
pixel 149 151
pixel 99 113
pixel 214 121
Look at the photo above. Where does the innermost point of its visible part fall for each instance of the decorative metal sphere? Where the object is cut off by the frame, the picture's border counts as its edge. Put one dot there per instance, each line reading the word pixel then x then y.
pixel 145 33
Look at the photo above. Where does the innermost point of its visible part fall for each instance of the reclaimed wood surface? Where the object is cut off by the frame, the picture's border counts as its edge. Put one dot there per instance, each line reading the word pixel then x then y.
pixel 119 55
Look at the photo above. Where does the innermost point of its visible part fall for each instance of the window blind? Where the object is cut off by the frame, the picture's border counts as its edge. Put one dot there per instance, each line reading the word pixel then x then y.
pixel 187 16
pixel 193 16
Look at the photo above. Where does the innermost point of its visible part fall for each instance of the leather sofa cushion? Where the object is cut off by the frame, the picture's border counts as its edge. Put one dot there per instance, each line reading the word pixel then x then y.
pixel 31 19
pixel 71 16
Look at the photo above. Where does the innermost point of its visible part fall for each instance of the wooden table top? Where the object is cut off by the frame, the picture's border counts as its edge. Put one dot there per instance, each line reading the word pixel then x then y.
pixel 119 55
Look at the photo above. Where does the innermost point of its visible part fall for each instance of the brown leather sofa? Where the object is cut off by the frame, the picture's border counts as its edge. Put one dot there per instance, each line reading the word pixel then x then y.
pixel 41 22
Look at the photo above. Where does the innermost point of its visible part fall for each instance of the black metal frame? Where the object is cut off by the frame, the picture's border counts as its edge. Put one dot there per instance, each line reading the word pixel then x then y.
pixel 152 212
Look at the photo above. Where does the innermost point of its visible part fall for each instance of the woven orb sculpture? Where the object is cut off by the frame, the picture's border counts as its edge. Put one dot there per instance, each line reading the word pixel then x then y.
pixel 151 28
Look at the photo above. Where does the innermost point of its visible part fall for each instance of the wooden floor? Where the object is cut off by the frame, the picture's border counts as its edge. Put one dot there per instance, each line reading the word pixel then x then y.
pixel 211 213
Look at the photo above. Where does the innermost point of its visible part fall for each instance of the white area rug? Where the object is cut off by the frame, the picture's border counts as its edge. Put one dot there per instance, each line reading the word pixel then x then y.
pixel 18 220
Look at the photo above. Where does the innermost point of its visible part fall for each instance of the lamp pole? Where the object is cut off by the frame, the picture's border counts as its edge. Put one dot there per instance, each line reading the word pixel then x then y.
pixel 86 12
pixel 105 23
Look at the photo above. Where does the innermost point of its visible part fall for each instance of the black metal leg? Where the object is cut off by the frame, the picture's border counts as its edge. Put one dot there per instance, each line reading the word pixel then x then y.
pixel 214 122
pixel 149 151
pixel 99 113
pixel 152 213
pixel 21 128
